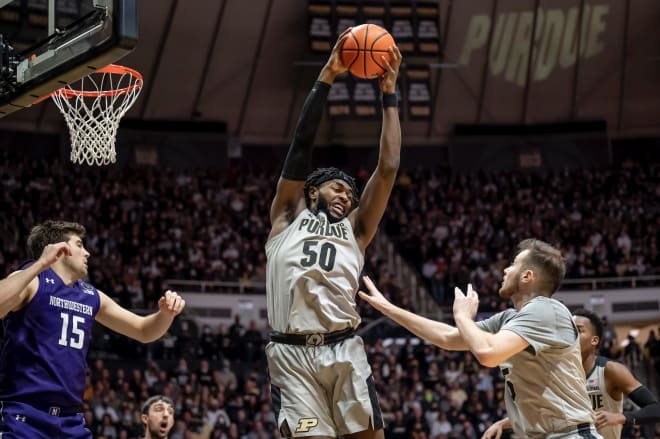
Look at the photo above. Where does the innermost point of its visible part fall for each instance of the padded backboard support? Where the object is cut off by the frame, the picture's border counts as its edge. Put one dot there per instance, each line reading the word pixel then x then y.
pixel 104 35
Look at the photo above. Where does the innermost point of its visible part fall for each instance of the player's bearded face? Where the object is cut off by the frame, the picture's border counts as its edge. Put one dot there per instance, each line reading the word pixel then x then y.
pixel 512 273
pixel 510 283
pixel 324 206
pixel 334 202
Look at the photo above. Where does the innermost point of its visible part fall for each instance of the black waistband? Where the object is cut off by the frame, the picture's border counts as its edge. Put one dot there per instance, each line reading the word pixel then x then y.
pixel 316 339
pixel 583 430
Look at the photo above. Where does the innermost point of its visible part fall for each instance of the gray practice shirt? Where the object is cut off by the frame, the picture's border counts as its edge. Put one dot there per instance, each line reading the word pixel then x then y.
pixel 546 387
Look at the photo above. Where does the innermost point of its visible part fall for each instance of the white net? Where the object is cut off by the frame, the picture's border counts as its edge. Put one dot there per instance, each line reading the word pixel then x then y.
pixel 93 110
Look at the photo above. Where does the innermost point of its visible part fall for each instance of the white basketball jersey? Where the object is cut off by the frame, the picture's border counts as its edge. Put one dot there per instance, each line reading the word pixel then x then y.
pixel 601 399
pixel 312 276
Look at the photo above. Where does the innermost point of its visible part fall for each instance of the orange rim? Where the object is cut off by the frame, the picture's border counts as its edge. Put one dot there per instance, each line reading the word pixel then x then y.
pixel 68 93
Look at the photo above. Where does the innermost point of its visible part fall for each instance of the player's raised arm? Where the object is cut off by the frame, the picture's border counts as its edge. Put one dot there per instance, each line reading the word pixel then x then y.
pixel 367 216
pixel 621 381
pixel 489 349
pixel 18 288
pixel 143 329
pixel 289 200
pixel 438 333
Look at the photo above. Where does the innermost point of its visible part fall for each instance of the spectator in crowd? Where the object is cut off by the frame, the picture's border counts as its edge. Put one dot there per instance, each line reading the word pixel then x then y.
pixel 142 237
pixel 207 344
pixel 608 344
pixel 236 331
pixel 652 352
pixel 251 345
pixel 632 352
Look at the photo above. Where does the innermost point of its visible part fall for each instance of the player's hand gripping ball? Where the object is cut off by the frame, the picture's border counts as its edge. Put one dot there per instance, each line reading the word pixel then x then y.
pixel 364 48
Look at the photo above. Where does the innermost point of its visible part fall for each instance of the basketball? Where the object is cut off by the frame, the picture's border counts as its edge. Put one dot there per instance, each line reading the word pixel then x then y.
pixel 363 48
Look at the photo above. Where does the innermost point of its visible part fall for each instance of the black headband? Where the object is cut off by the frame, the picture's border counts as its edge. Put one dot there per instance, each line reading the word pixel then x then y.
pixel 321 175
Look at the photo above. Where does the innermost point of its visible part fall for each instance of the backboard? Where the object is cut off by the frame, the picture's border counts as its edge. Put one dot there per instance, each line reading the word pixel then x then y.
pixel 46 44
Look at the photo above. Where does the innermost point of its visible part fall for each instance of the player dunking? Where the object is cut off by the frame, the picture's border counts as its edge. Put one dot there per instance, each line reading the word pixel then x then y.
pixel 607 383
pixel 48 314
pixel 535 344
pixel 321 381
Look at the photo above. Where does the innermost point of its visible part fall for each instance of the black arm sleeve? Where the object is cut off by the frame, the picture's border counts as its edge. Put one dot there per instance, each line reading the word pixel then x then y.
pixel 298 162
pixel 649 412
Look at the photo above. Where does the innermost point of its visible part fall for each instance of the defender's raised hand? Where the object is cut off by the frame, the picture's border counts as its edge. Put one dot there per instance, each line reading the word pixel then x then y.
pixel 493 432
pixel 466 304
pixel 375 298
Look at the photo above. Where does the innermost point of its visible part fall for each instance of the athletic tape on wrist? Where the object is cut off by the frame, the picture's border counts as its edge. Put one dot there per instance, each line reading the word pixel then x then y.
pixel 390 100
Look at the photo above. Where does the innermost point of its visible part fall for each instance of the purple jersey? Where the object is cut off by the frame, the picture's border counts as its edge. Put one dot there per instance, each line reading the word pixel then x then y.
pixel 43 359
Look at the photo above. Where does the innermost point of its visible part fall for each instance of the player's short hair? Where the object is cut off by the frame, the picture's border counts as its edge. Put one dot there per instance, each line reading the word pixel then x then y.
pixel 547 259
pixel 596 323
pixel 154 399
pixel 321 175
pixel 51 232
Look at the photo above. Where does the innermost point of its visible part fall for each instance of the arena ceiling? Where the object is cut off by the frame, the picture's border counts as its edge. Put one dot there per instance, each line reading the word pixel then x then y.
pixel 248 63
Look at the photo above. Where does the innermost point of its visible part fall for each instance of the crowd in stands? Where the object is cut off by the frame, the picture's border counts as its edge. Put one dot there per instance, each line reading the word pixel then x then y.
pixel 143 226
pixel 149 225
pixel 459 228
pixel 219 385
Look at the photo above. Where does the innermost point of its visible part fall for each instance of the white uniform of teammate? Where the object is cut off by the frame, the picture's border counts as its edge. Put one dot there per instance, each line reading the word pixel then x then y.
pixel 308 265
pixel 601 399
pixel 546 395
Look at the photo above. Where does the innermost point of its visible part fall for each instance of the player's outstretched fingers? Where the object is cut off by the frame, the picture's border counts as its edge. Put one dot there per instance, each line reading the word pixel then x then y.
pixel 493 432
pixel 373 290
pixel 369 283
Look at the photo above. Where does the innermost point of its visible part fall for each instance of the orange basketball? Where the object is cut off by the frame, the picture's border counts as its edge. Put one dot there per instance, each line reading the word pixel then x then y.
pixel 363 48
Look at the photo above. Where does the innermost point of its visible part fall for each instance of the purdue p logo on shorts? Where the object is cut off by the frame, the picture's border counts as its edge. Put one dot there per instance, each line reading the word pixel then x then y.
pixel 306 424
pixel 315 340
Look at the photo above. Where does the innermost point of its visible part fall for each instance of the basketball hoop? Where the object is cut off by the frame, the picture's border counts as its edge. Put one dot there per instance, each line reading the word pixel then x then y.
pixel 93 111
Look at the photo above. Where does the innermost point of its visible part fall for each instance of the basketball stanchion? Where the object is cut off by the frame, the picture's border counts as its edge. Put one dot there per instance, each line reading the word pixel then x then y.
pixel 93 110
